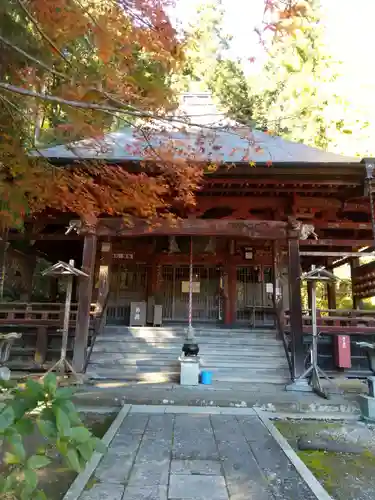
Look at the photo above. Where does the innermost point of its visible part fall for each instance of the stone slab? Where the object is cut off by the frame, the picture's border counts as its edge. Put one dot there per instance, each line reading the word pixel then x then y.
pixel 193 438
pixel 103 491
pixel 367 406
pixel 196 467
pixel 283 479
pixel 154 449
pixel 146 493
pixel 125 444
pixel 197 488
pixel 151 473
pixel 114 468
pixel 134 424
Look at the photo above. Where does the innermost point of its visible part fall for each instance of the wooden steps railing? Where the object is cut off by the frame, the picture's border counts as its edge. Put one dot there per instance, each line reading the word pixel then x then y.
pixel 339 321
pixel 37 313
pixel 40 324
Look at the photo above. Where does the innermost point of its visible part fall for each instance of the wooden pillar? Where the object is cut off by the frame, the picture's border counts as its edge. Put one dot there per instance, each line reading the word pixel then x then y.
pixel 41 346
pixel 105 261
pixel 4 244
pixel 230 286
pixel 309 295
pixel 331 295
pixel 54 289
pixel 295 307
pixel 28 278
pixel 353 264
pixel 84 303
pixel 152 279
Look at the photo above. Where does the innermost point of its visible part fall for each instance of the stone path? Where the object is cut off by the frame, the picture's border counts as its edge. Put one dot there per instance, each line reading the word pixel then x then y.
pixel 191 456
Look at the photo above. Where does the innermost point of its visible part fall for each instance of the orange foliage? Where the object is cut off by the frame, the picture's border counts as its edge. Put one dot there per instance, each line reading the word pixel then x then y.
pixel 115 53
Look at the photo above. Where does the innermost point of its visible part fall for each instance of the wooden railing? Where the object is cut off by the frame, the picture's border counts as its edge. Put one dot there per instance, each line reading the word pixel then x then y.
pixel 280 326
pixel 98 326
pixel 338 321
pixel 37 313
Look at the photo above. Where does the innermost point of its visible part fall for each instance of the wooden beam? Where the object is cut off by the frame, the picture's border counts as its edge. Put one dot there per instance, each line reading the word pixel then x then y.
pixel 321 224
pixel 257 188
pixel 295 301
pixel 331 242
pixel 43 237
pixel 337 254
pixel 277 182
pixel 256 229
pixel 84 303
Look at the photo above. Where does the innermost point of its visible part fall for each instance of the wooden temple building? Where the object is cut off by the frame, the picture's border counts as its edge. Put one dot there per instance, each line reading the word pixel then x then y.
pixel 252 234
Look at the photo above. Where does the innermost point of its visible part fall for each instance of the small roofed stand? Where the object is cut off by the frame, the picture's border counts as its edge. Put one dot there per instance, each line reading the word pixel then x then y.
pixel 68 271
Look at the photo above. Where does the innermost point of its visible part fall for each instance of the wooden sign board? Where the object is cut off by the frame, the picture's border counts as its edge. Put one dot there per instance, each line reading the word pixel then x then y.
pixel 185 287
pixel 126 256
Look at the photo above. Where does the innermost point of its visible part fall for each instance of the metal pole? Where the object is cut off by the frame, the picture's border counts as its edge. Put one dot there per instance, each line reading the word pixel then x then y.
pixel 191 286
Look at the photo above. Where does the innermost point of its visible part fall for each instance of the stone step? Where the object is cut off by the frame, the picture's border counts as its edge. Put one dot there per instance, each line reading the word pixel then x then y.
pixel 214 353
pixel 256 341
pixel 132 373
pixel 151 354
pixel 161 332
pixel 209 347
pixel 175 368
pixel 212 362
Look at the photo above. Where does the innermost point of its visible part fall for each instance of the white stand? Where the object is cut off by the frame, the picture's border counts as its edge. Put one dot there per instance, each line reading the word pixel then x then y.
pixel 189 370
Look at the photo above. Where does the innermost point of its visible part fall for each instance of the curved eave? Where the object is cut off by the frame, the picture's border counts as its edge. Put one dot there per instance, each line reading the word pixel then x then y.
pixel 306 170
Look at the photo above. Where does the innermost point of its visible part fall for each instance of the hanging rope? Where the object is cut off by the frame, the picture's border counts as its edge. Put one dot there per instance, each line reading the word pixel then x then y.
pixel 191 285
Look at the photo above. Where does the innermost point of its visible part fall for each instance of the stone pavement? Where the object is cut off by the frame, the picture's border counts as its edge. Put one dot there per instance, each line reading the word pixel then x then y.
pixel 195 456
pixel 268 397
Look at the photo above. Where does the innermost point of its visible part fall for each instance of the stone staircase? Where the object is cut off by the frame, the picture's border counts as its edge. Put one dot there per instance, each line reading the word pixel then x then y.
pixel 151 354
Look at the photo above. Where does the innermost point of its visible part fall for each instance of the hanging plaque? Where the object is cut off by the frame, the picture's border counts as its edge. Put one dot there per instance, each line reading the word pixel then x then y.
pixel 185 287
pixel 126 256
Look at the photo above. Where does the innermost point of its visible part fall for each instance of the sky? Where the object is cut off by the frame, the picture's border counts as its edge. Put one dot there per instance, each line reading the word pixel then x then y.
pixel 349 30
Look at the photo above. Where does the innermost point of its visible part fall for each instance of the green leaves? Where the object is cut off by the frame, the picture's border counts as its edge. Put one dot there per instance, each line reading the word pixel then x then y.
pixel 47 428
pixel 31 479
pixel 37 462
pixel 16 444
pixel 65 393
pixel 7 417
pixel 58 423
pixel 62 422
pixel 80 434
pixel 50 384
pixel 72 459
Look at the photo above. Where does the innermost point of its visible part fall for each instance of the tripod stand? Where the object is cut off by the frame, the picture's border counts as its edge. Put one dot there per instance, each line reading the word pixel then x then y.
pixel 314 371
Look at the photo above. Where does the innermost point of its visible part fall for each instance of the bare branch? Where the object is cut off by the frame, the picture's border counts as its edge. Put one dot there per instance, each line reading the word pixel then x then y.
pixel 31 58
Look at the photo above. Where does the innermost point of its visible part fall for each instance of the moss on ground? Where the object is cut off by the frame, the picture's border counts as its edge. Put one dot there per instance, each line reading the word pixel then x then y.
pixel 345 476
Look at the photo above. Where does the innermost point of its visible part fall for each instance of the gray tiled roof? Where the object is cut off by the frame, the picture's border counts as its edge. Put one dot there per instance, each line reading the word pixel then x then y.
pixel 227 146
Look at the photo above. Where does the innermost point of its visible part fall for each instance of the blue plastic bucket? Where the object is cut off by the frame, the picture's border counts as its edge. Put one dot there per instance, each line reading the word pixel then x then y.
pixel 206 378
